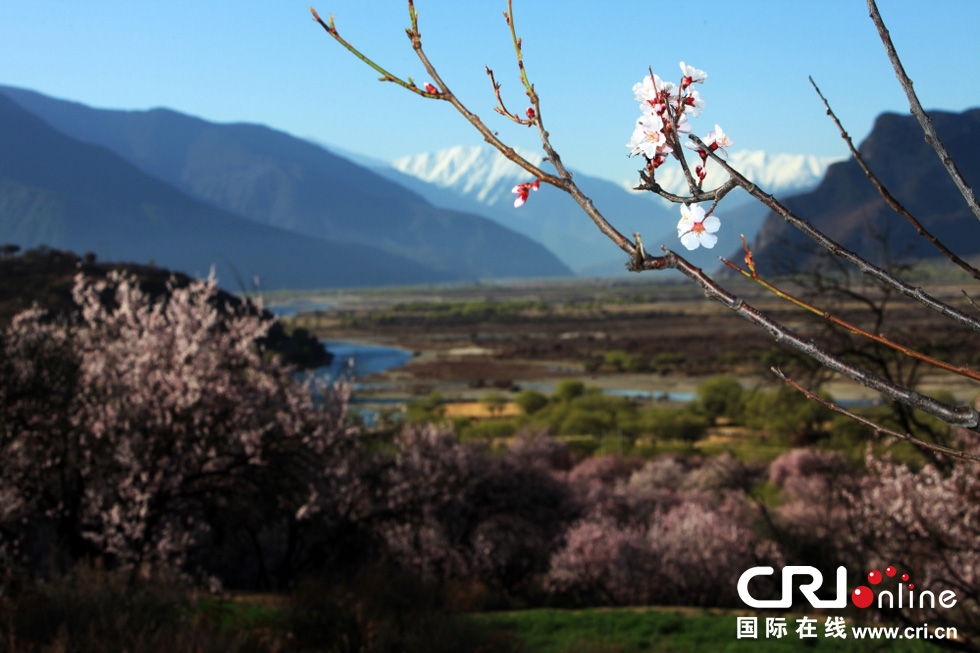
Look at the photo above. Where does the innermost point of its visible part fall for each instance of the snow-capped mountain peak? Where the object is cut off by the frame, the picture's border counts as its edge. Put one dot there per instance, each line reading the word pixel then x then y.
pixel 476 171
pixel 478 179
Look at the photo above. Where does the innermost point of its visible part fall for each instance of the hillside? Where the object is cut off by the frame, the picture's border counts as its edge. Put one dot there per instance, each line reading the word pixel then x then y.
pixel 846 207
pixel 478 178
pixel 45 277
pixel 277 180
pixel 65 194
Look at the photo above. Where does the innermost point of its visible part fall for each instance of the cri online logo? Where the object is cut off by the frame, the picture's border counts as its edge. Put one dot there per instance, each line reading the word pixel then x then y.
pixel 861 597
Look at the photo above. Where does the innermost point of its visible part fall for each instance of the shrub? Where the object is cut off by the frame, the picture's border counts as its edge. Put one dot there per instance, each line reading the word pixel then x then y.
pixel 90 609
pixel 624 362
pixel 428 409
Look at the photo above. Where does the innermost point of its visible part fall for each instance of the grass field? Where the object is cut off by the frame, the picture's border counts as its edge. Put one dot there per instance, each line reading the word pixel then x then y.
pixel 603 630
pixel 629 630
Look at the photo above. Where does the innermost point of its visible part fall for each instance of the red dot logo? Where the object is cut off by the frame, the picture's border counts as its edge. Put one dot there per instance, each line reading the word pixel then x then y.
pixel 905 576
pixel 890 571
pixel 874 577
pixel 862 597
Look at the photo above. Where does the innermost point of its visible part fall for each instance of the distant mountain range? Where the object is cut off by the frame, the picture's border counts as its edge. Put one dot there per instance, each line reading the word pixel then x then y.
pixel 479 179
pixel 251 201
pixel 846 207
pixel 256 203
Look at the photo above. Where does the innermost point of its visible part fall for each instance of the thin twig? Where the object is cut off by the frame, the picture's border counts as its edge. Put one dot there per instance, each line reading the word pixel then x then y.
pixel 833 319
pixel 924 120
pixel 500 108
pixel 963 416
pixel 889 198
pixel 675 140
pixel 881 275
pixel 386 76
pixel 970 299
pixel 908 437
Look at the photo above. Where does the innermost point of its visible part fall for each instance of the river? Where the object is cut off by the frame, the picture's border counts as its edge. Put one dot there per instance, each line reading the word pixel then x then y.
pixel 357 360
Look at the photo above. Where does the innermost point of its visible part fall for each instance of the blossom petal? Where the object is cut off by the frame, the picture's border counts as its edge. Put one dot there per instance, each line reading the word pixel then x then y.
pixel 695 212
pixel 690 240
pixel 711 224
pixel 708 240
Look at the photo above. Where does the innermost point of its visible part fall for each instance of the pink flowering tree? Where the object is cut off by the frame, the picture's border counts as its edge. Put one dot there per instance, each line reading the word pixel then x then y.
pixel 661 135
pixel 155 432
pixel 662 534
pixel 925 523
pixel 454 511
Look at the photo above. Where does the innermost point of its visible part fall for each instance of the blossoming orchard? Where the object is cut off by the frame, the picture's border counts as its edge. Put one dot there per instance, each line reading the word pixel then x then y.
pixel 157 435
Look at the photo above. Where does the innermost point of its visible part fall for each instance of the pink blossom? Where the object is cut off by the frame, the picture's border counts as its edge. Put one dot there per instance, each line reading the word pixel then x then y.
pixel 522 191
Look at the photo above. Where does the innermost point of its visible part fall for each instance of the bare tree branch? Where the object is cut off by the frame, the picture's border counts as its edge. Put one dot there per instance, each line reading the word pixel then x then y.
pixel 963 416
pixel 853 328
pixel 962 455
pixel 883 276
pixel 563 181
pixel 889 198
pixel 924 120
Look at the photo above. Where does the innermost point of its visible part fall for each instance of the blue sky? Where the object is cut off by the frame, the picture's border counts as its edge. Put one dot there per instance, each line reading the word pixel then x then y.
pixel 266 61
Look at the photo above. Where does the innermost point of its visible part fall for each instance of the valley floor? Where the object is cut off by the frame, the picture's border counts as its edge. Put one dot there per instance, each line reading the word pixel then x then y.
pixel 654 341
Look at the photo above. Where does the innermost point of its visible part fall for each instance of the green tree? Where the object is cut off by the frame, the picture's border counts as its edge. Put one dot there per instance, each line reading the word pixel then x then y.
pixel 531 401
pixel 720 396
pixel 568 389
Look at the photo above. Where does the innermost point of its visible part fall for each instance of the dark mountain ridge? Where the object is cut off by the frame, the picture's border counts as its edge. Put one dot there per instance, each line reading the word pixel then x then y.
pixel 848 208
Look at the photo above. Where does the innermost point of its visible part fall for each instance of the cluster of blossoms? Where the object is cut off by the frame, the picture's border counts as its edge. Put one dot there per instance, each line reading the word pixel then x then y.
pixel 666 108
